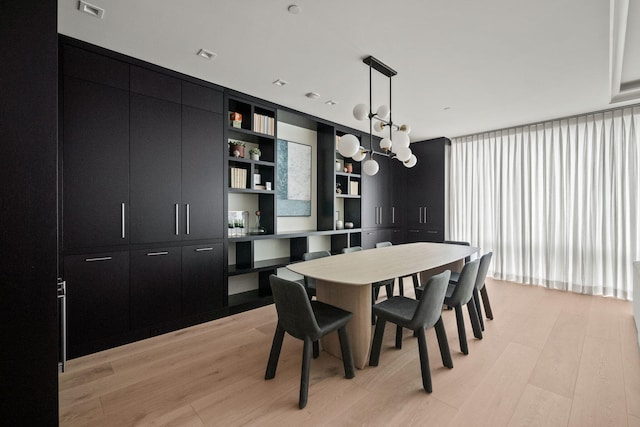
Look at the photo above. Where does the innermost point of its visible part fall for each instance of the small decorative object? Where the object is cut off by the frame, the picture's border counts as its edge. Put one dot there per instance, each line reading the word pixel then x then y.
pixel 236 148
pixel 255 153
pixel 353 188
pixel 338 189
pixel 257 178
pixel 258 229
pixel 238 223
pixel 338 166
pixel 268 185
pixel 339 225
pixel 236 119
pixel 348 225
pixel 348 167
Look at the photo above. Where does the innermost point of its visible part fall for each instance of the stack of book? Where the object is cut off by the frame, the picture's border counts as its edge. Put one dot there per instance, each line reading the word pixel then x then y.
pixel 238 178
pixel 264 124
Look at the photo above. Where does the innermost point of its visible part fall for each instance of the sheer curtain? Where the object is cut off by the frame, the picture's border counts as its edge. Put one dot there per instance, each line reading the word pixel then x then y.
pixel 556 202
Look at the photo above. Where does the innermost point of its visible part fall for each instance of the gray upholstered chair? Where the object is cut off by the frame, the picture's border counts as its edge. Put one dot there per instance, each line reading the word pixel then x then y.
pixel 351 249
pixel 310 282
pixel 461 294
pixel 307 321
pixel 480 288
pixel 416 316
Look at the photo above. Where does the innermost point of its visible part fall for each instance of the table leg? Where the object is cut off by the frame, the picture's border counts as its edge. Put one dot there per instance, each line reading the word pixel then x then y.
pixel 357 300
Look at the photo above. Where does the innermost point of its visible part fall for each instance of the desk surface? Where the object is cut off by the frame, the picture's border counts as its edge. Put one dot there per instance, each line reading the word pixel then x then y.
pixel 374 265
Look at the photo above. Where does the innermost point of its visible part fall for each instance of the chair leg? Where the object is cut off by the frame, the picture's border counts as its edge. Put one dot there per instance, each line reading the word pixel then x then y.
pixel 476 302
pixel 389 289
pixel 424 361
pixel 443 343
pixel 486 303
pixel 475 323
pixel 274 355
pixel 374 358
pixel 347 357
pixel 304 377
pixel 398 336
pixel 462 333
pixel 316 349
pixel 416 285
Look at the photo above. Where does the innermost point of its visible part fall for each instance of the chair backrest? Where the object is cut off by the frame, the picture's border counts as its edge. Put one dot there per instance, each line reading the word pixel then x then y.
pixel 430 305
pixel 351 249
pixel 294 308
pixel 467 280
pixel 485 260
pixel 457 242
pixel 315 255
pixel 383 244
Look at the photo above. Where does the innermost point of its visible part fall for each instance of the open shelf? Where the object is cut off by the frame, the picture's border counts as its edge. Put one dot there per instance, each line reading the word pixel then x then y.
pixel 268 264
pixel 248 300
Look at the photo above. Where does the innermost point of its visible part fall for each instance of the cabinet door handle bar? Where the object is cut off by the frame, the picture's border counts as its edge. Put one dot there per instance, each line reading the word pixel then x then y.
pixel 102 258
pixel 203 249
pixel 188 218
pixel 122 214
pixel 157 253
pixel 177 219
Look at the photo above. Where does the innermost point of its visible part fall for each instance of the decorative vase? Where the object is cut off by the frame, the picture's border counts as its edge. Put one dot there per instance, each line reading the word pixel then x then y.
pixel 348 167
pixel 254 156
pixel 339 225
pixel 236 150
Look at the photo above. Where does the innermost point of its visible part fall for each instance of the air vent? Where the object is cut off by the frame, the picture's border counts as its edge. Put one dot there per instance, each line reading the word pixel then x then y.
pixel 91 9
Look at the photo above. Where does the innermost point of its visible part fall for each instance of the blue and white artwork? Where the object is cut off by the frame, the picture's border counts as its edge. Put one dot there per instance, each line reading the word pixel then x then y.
pixel 293 186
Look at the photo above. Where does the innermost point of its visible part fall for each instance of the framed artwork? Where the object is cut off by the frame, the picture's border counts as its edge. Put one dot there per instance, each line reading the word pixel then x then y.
pixel 293 187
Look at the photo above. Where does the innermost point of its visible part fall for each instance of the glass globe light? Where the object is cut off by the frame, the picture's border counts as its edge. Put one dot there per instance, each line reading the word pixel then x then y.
pixel 360 155
pixel 411 162
pixel 383 111
pixel 403 154
pixel 360 112
pixel 370 167
pixel 406 129
pixel 400 139
pixel 348 145
pixel 385 144
pixel 378 126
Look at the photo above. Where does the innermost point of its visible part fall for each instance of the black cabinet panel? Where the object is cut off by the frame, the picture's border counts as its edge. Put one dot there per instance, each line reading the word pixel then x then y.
pixel 96 68
pixel 202 174
pixel 96 164
pixel 157 85
pixel 202 278
pixel 155 170
pixel 201 97
pixel 155 286
pixel 97 300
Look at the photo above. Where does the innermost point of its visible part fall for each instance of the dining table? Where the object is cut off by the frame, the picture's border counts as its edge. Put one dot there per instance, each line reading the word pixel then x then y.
pixel 345 281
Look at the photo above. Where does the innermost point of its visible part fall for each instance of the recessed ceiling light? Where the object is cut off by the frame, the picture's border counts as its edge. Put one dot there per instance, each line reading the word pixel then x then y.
pixel 207 54
pixel 331 102
pixel 279 82
pixel 294 9
pixel 91 9
pixel 312 95
pixel 447 108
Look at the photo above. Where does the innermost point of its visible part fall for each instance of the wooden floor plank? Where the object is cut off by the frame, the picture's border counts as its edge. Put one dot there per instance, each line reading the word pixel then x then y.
pixel 538 407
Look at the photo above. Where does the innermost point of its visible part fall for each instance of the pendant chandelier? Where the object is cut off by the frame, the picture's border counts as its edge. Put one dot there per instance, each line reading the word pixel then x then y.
pixel 396 145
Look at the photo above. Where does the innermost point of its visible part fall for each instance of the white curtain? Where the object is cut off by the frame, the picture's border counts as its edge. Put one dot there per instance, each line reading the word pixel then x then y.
pixel 556 202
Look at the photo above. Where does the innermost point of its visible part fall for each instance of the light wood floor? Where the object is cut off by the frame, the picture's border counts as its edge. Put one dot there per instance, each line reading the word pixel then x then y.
pixel 548 358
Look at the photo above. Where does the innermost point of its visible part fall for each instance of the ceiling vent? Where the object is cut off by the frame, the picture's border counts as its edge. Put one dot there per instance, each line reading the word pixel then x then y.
pixel 91 9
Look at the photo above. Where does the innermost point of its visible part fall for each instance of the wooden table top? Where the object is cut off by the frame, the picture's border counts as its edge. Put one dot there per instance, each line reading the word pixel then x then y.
pixel 374 265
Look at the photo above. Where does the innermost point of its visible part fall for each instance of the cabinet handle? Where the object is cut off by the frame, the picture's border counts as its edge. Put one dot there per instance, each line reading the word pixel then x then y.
pixel 177 219
pixel 122 213
pixel 413 231
pixel 203 249
pixel 188 218
pixel 380 215
pixel 102 258
pixel 420 215
pixel 393 214
pixel 157 253
pixel 425 215
pixel 432 231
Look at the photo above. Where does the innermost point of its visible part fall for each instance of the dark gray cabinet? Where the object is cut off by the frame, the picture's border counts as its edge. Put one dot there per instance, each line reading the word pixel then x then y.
pixel 156 286
pixel 202 278
pixel 97 300
pixel 425 192
pixel 155 169
pixel 96 164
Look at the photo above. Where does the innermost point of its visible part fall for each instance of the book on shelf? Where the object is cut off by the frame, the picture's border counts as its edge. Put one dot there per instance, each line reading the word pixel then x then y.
pixel 353 188
pixel 238 177
pixel 264 124
pixel 259 187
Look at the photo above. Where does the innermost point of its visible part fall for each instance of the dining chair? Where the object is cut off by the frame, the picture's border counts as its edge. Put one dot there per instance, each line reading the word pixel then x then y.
pixel 414 276
pixel 416 315
pixel 307 321
pixel 310 282
pixel 479 288
pixel 459 295
pixel 375 287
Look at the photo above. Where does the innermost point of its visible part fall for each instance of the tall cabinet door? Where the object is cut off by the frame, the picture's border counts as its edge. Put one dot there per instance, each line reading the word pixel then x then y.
pixel 155 286
pixel 202 278
pixel 155 169
pixel 97 300
pixel 96 164
pixel 202 174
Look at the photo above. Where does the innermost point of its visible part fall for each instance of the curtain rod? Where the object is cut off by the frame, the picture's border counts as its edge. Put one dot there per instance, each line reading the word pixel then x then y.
pixel 547 121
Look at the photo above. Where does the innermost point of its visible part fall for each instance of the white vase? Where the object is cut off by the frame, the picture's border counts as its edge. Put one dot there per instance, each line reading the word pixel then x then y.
pixel 254 156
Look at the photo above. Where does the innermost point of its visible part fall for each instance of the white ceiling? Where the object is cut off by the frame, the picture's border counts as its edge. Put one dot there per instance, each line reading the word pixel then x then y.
pixel 495 63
